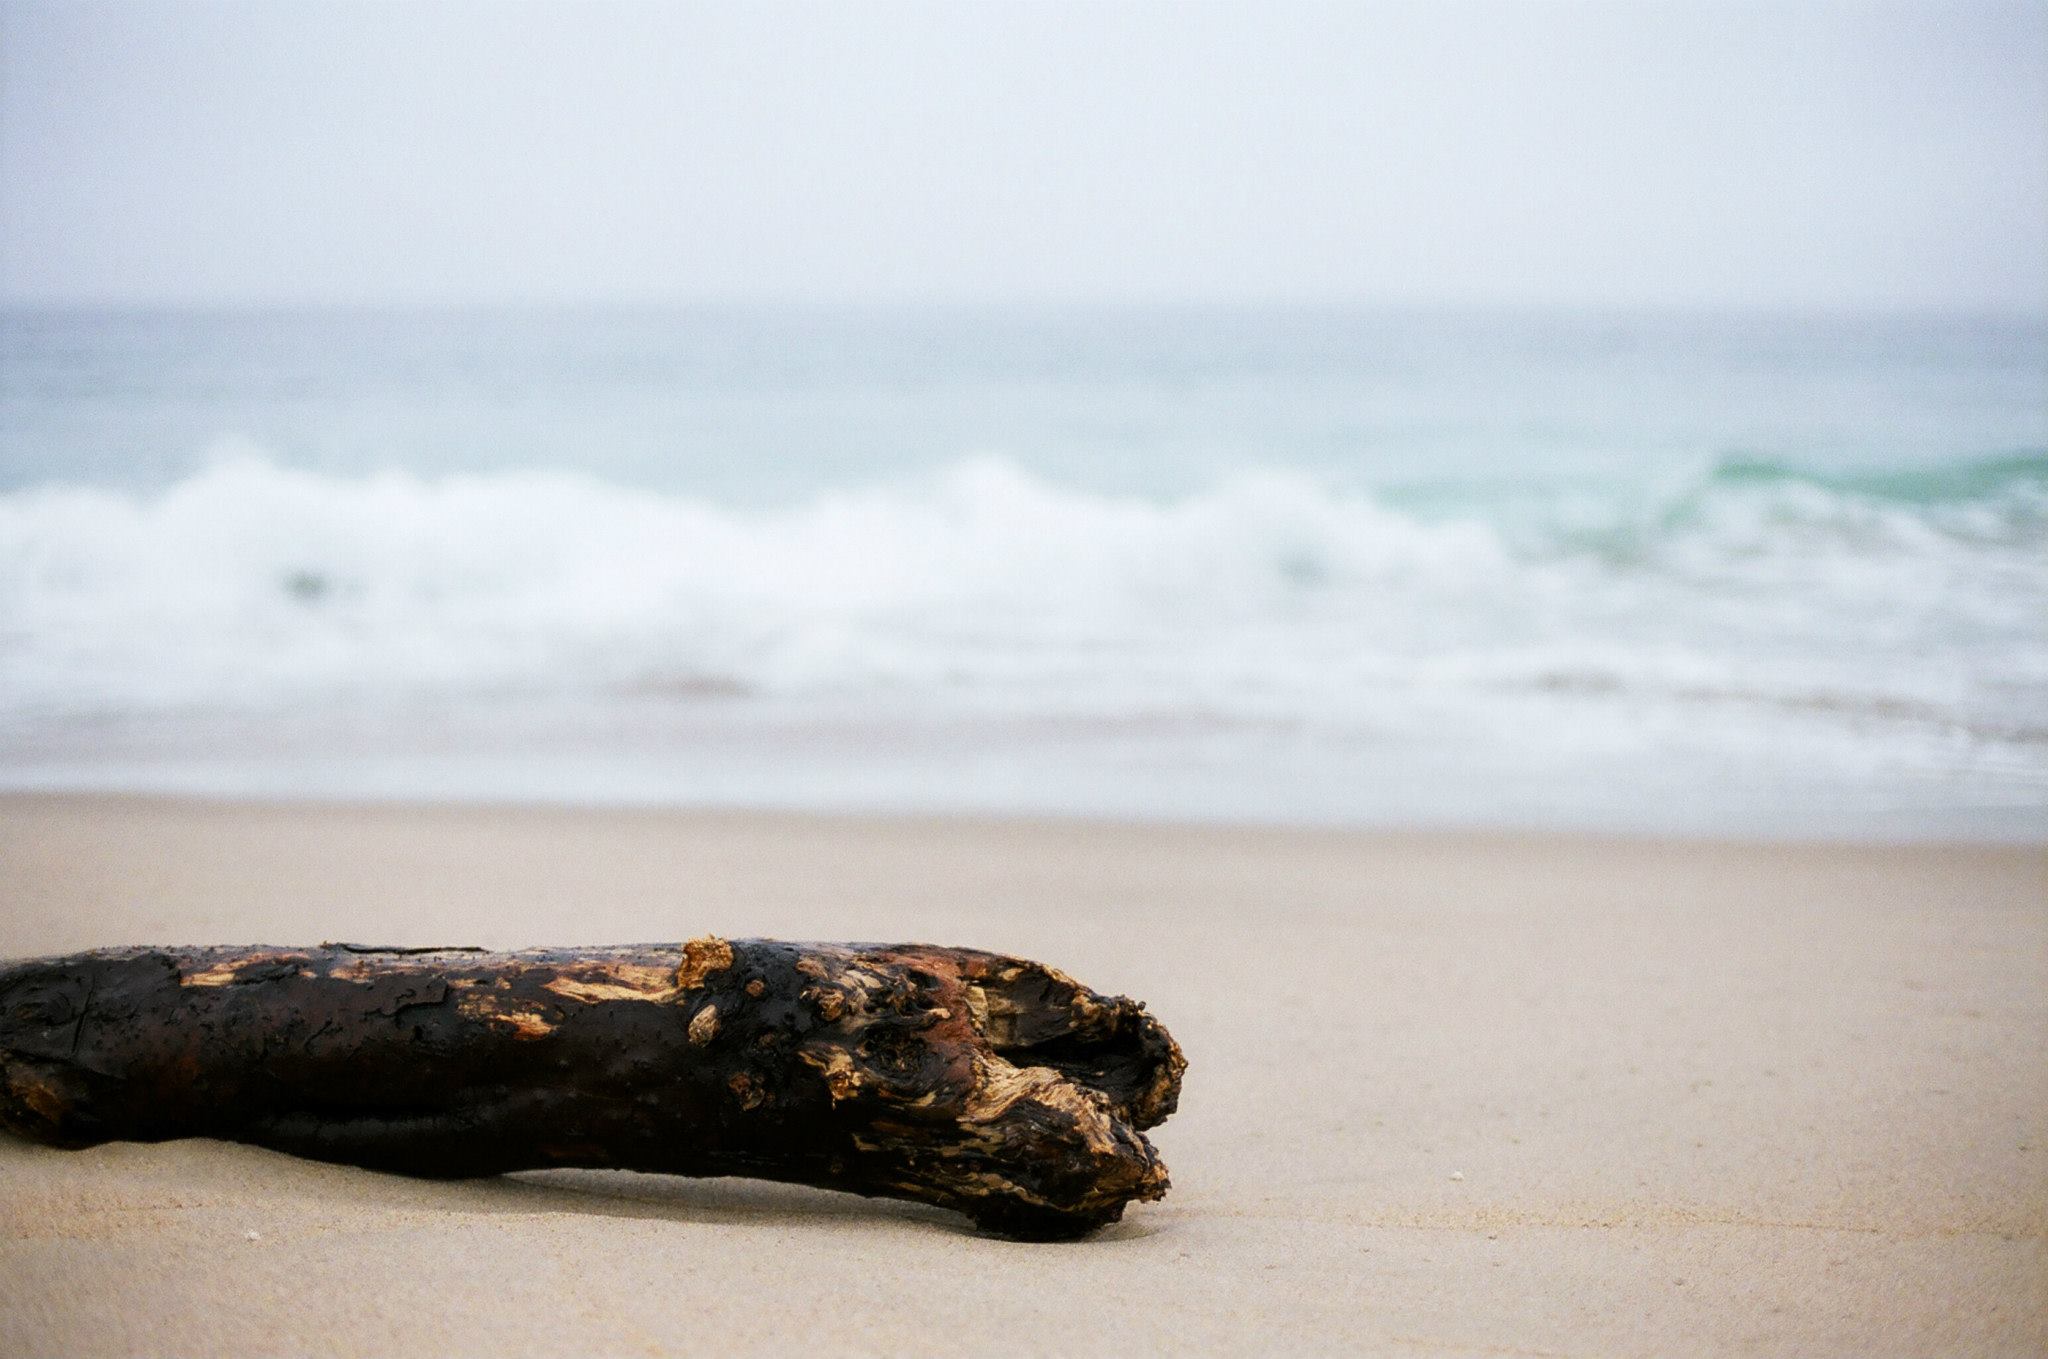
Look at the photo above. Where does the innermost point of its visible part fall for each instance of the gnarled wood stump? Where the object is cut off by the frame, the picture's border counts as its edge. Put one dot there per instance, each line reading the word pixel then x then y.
pixel 992 1085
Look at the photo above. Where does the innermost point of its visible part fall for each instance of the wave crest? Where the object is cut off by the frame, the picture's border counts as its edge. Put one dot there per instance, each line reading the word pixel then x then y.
pixel 252 583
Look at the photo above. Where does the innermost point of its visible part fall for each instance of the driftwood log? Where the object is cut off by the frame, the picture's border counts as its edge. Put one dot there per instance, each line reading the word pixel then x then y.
pixel 992 1085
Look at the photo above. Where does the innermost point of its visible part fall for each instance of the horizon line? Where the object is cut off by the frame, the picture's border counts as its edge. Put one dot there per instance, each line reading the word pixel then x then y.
pixel 2032 311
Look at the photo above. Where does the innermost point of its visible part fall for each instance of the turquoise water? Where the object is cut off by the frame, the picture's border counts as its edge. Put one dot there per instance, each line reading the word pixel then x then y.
pixel 1706 574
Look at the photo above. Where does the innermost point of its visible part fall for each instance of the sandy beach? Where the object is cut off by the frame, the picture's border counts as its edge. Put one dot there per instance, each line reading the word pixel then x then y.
pixel 1448 1094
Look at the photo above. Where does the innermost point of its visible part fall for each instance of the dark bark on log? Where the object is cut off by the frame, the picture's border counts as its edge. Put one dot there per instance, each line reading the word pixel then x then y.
pixel 988 1084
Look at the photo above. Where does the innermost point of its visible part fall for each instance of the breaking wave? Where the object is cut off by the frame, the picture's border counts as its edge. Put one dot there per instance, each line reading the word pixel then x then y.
pixel 1921 593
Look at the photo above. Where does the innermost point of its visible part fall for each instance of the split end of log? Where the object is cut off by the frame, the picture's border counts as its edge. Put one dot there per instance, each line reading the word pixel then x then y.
pixel 990 1084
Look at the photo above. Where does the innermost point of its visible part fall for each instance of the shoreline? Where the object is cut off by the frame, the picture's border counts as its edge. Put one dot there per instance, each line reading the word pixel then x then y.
pixel 1450 1091
pixel 1953 830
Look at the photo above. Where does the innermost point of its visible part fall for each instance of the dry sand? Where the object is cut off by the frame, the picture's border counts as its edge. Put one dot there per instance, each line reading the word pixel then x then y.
pixel 1450 1094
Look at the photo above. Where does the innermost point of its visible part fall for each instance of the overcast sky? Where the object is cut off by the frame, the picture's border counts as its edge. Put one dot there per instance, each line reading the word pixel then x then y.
pixel 1785 153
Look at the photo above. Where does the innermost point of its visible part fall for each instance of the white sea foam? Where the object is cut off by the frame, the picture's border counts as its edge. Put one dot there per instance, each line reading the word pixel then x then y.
pixel 252 585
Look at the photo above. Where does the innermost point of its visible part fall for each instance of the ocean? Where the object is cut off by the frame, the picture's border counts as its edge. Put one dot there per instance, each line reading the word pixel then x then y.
pixel 1687 574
